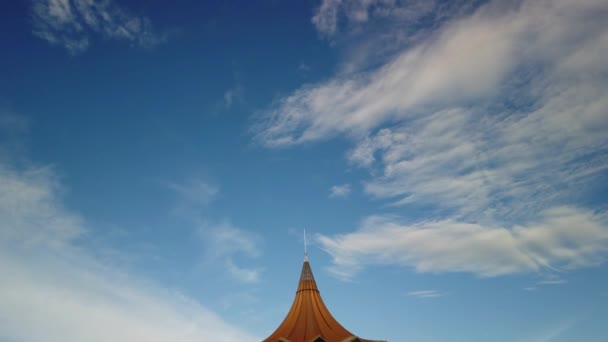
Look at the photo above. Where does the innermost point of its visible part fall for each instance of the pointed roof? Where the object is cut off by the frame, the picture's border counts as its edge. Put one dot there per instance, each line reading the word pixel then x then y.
pixel 309 319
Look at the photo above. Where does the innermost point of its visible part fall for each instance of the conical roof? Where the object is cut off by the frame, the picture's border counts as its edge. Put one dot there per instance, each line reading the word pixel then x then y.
pixel 309 319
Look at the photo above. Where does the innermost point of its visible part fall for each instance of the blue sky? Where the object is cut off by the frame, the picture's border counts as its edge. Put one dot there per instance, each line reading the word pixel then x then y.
pixel 159 162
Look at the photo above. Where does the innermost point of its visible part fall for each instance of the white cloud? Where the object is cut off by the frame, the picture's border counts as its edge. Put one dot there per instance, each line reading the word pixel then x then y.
pixel 303 67
pixel 340 190
pixel 491 118
pixel 225 242
pixel 554 332
pixel 61 300
pixel 195 191
pixel 242 274
pixel 562 239
pixel 548 279
pixel 229 97
pixel 226 239
pixel 332 14
pixel 552 282
pixel 488 167
pixel 53 290
pixel 425 294
pixel 436 71
pixel 31 213
pixel 71 24
pixel 233 95
pixel 475 59
pixel 327 16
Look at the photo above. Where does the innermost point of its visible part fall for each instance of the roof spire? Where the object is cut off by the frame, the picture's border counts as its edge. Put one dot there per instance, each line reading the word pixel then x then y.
pixel 308 318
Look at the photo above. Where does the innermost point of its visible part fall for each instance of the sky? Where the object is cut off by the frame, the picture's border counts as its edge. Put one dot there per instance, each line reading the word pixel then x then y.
pixel 160 161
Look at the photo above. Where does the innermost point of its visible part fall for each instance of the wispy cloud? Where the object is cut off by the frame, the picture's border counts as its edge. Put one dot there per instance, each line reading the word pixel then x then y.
pixel 195 191
pixel 496 118
pixel 552 281
pixel 31 212
pixel 233 95
pixel 303 67
pixel 242 274
pixel 425 294
pixel 332 16
pixel 545 245
pixel 548 279
pixel 485 167
pixel 342 190
pixel 225 243
pixel 192 197
pixel 225 239
pixel 73 23
pixel 53 290
pixel 61 300
pixel 495 46
pixel 554 332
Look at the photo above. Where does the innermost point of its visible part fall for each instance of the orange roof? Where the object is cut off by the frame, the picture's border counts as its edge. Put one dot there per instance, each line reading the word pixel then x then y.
pixel 309 319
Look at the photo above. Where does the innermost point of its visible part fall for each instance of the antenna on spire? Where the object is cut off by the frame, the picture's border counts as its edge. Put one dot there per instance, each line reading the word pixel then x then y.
pixel 305 250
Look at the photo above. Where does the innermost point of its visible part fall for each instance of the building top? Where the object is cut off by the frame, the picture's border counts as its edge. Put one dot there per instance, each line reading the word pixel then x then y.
pixel 309 320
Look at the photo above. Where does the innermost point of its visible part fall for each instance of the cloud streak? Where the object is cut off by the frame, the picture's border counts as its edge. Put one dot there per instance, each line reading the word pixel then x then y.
pixel 57 300
pixel 495 119
pixel 333 16
pixel 73 23
pixel 54 290
pixel 555 332
pixel 484 167
pixel 195 191
pixel 425 294
pixel 233 96
pixel 342 191
pixel 469 60
pixel 562 239
pixel 225 243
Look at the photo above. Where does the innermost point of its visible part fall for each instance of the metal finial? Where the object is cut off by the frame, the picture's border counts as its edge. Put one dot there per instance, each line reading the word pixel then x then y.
pixel 305 247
